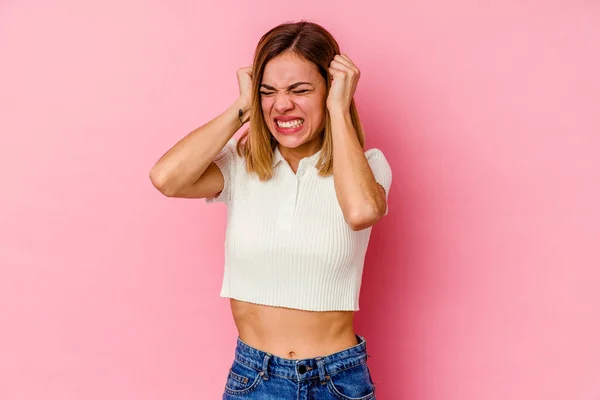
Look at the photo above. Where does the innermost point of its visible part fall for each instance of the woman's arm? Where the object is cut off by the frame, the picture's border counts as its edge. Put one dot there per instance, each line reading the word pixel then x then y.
pixel 187 170
pixel 362 199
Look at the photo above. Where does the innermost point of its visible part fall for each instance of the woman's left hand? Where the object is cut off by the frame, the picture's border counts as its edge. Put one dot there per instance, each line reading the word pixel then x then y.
pixel 345 77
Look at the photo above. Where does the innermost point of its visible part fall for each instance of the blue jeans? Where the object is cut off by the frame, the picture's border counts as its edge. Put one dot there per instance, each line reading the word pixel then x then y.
pixel 257 375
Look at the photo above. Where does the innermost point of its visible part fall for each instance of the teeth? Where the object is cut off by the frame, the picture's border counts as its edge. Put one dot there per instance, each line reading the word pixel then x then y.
pixel 290 124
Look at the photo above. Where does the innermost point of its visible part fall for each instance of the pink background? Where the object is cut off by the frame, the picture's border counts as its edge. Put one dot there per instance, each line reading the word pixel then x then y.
pixel 482 283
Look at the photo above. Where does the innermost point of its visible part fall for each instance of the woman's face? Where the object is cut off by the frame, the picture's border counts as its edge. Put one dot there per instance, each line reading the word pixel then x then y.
pixel 293 100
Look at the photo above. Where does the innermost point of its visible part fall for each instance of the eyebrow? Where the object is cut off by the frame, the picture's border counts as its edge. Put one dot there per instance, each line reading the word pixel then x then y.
pixel 292 86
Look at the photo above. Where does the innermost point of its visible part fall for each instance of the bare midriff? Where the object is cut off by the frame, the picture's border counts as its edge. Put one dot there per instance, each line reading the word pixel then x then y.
pixel 291 333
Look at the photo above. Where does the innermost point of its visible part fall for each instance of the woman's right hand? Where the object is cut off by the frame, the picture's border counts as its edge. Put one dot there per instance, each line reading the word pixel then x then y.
pixel 244 77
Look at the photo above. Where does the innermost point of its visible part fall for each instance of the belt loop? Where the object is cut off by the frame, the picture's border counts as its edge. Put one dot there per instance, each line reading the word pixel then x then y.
pixel 265 368
pixel 323 377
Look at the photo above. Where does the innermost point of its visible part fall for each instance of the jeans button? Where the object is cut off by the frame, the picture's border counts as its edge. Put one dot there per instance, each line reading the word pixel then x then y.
pixel 302 369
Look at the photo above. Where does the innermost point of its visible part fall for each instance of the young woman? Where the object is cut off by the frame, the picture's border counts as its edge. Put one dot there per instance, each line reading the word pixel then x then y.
pixel 302 196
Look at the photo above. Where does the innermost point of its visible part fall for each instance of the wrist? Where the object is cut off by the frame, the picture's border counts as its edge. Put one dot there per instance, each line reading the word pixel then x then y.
pixel 339 113
pixel 241 108
pixel 243 103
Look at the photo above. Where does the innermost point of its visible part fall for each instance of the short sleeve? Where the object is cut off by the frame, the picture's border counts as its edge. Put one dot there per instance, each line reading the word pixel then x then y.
pixel 226 161
pixel 381 170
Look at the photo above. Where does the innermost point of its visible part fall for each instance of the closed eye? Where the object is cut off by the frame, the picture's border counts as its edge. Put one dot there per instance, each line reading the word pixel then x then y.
pixel 295 92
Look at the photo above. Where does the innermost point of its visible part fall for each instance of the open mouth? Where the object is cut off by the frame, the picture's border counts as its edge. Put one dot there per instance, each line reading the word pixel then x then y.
pixel 289 124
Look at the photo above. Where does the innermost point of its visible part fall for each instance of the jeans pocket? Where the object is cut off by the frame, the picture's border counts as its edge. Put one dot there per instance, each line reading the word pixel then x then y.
pixel 242 379
pixel 352 384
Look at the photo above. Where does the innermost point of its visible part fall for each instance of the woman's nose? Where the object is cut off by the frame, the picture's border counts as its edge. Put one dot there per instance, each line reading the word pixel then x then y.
pixel 283 102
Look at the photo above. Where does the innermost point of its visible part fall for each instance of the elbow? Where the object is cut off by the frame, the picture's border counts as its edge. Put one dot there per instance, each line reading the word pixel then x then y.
pixel 161 181
pixel 364 217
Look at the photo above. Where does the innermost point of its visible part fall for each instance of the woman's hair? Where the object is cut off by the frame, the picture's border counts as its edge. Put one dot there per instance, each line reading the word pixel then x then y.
pixel 308 41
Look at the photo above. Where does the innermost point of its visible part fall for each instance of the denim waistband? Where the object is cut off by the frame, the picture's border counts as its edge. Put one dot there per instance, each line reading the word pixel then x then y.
pixel 302 369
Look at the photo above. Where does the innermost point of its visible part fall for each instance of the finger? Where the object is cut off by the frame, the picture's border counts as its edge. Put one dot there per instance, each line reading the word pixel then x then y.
pixel 342 60
pixel 340 65
pixel 336 71
pixel 347 58
pixel 345 69
pixel 352 65
pixel 350 69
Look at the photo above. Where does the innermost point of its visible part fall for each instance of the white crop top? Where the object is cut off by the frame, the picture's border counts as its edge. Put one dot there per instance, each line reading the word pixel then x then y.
pixel 287 243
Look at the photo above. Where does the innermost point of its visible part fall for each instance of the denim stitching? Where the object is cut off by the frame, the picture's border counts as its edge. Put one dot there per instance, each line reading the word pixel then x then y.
pixel 237 377
pixel 294 379
pixel 339 395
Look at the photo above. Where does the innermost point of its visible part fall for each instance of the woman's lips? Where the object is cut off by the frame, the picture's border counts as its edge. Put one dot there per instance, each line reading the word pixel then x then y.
pixel 288 131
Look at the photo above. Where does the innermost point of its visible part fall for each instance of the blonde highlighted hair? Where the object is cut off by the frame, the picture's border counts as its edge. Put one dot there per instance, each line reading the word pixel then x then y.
pixel 308 41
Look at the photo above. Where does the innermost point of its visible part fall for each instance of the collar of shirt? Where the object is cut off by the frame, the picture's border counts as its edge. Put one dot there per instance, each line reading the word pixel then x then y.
pixel 312 160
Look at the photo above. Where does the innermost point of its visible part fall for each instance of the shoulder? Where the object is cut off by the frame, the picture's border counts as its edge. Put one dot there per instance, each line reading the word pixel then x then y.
pixel 375 154
pixel 232 143
pixel 234 149
pixel 380 167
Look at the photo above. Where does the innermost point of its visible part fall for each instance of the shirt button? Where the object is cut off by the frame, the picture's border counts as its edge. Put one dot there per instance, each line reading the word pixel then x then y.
pixel 302 369
pixel 300 172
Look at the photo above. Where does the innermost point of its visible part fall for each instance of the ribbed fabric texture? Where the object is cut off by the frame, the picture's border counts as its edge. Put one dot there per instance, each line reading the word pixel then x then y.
pixel 287 243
